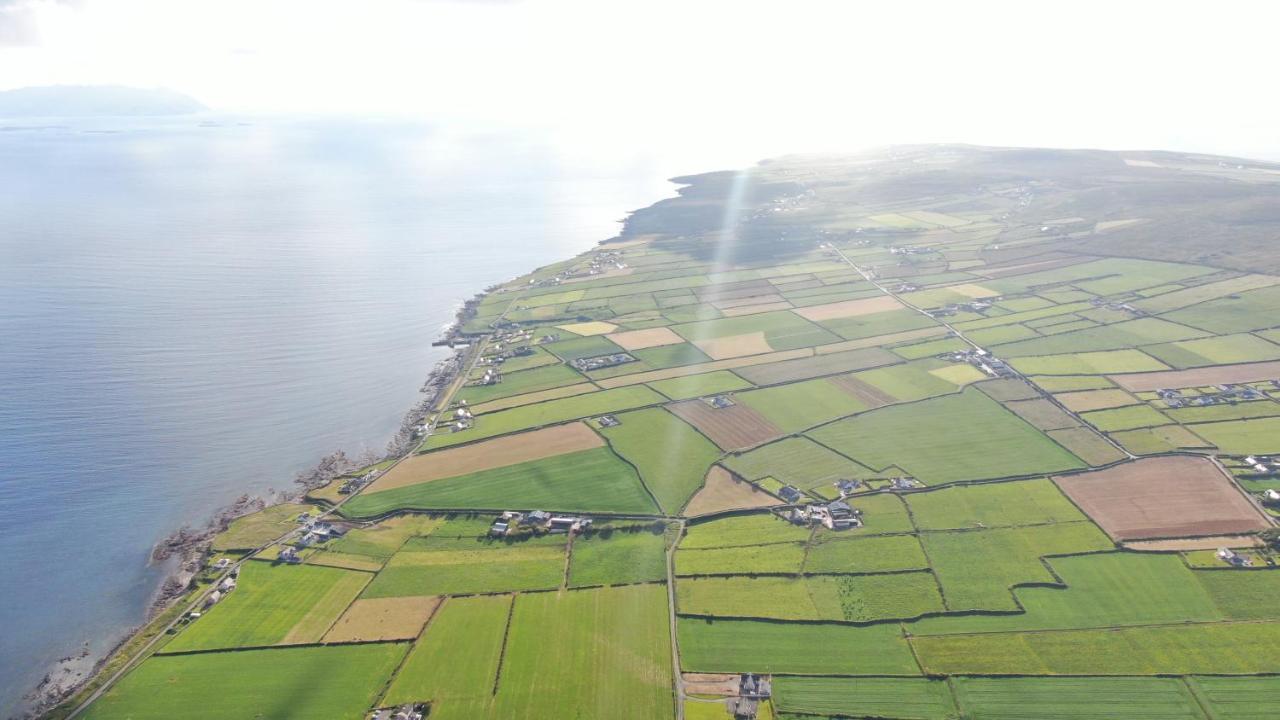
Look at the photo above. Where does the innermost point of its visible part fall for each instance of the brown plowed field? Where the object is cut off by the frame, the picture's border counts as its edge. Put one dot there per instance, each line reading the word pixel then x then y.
pixel 392 618
pixel 753 309
pixel 849 308
pixel 641 339
pixel 732 428
pixel 723 491
pixel 873 396
pixel 489 454
pixel 733 346
pixel 805 368
pixel 1246 372
pixel 1163 497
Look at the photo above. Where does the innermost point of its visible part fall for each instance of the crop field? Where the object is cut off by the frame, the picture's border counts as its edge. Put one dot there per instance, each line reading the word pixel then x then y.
pixel 817 366
pixel 856 598
pixel 708 645
pixel 961 437
pixel 499 568
pixel 671 457
pixel 254 683
pixel 587 480
pixel 1076 698
pixel 630 676
pixel 397 618
pixel 272 605
pixel 1242 437
pixel 732 428
pixel 755 529
pixel 1238 698
pixel 455 664
pixel 488 455
pixel 869 554
pixel 1162 497
pixel 774 558
pixel 619 557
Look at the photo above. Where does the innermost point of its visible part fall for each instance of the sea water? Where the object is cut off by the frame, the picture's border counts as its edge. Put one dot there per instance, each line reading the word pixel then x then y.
pixel 199 307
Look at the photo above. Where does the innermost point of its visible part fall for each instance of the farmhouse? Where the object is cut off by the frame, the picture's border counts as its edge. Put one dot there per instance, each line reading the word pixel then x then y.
pixel 538 518
pixel 847 487
pixel 213 598
pixel 1271 497
pixel 720 402
pixel 902 483
pixel 608 421
pixel 567 524
pixel 499 528
pixel 1233 558
pixel 600 362
pixel 790 493
pixel 222 564
pixel 289 555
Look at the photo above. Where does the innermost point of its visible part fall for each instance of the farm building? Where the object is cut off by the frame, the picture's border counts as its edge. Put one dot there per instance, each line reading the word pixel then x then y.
pixel 790 493
pixel 1233 558
pixel 847 487
pixel 289 555
pixel 608 421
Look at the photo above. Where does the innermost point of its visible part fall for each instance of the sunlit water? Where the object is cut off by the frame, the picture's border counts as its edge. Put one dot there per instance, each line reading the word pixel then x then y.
pixel 194 310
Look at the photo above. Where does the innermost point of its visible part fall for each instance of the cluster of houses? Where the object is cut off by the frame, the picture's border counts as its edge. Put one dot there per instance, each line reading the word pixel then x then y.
pixel 911 250
pixel 1223 394
pixel 316 531
pixel 225 586
pixel 847 487
pixel 973 306
pixel 351 485
pixel 838 515
pixel 463 419
pixel 600 262
pixel 906 287
pixel 1233 558
pixel 752 690
pixel 719 402
pixel 989 364
pixel 511 520
pixel 903 483
pixel 599 362
pixel 1262 464
pixel 402 712
pixel 1113 305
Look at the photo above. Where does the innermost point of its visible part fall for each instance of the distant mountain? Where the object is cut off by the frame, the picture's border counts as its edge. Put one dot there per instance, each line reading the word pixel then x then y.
pixel 94 100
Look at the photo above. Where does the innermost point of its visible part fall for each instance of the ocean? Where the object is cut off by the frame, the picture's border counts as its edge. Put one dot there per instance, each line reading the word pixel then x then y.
pixel 194 308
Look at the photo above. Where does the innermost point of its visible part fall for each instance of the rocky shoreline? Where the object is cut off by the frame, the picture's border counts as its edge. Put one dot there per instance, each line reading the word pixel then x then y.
pixel 188 548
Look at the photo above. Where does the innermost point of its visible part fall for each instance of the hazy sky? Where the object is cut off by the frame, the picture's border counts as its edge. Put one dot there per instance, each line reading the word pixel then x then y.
pixel 748 78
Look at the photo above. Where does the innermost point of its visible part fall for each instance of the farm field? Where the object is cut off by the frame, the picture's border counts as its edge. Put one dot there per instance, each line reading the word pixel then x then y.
pixel 268 683
pixel 917 450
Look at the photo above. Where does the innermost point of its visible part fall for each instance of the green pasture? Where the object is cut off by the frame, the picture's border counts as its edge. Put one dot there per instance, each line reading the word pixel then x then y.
pixel 741 559
pixel 754 529
pixel 708 645
pixel 692 386
pixel 1104 362
pixel 878 697
pixel 1242 437
pixel 783 330
pixel 800 405
pixel 1222 350
pixel 254 530
pixel 1125 418
pixel 619 556
pixel 1023 502
pixel 866 554
pixel 670 455
pixel 488 569
pixel 1238 698
pixel 857 598
pixel 1076 698
pixel 797 461
pixel 517 383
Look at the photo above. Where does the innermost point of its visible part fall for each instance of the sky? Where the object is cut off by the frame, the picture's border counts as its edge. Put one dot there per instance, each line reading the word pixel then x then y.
pixel 740 78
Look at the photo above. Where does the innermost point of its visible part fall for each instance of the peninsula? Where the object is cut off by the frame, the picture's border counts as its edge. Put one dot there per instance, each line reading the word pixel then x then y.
pixel 927 432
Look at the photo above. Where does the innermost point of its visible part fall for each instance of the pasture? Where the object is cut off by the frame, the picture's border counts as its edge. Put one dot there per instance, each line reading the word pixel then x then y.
pixel 278 682
pixel 1023 502
pixel 670 455
pixel 800 405
pixel 587 480
pixel 455 663
pixel 865 554
pixel 274 604
pixel 496 568
pixel 398 618
pixel 741 560
pixel 1080 698
pixel 797 461
pixel 880 697
pixel 257 529
pixel 692 386
pixel 957 437
pixel 708 645
pixel 619 556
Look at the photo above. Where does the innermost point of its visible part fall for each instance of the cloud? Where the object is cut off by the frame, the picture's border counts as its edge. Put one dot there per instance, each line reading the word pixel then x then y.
pixel 20 20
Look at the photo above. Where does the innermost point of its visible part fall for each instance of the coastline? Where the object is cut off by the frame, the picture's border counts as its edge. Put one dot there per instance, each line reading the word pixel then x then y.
pixel 62 689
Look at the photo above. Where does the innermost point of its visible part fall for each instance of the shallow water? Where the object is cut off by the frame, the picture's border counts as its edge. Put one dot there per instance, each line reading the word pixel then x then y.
pixel 191 309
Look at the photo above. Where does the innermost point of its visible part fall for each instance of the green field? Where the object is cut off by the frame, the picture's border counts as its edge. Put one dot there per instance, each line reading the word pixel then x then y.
pixel 515 383
pixel 1076 698
pixel 1025 502
pixel 1225 648
pixel 958 437
pixel 793 648
pixel 420 571
pixel 455 663
pixel 1118 336
pixel 1253 310
pixel 627 676
pixel 782 330
pixel 915 698
pixel 800 405
pixel 797 461
pixel 1105 362
pixel 550 412
pixel 1222 350
pixel 1131 417
pixel 1242 437
pixel 274 604
pixel 335 683
pixel 587 480
pixel 692 386
pixel 755 529
pixel 1239 698
pixel 854 598
pixel 253 531
pixel 741 560
pixel 867 554
pixel 1009 556
pixel 671 456
pixel 616 557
